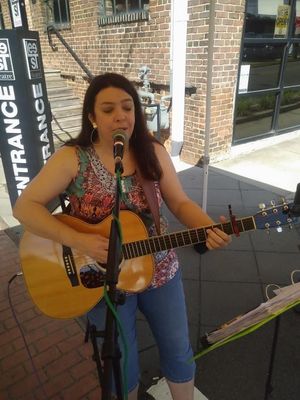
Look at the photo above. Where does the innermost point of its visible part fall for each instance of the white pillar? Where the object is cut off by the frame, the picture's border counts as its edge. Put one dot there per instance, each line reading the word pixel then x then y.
pixel 179 18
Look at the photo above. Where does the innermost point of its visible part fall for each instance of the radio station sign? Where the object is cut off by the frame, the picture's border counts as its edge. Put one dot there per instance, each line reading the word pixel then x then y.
pixel 26 140
pixel 6 66
pixel 18 14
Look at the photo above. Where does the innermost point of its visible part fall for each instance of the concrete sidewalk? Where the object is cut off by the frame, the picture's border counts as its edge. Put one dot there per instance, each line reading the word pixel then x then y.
pixel 219 286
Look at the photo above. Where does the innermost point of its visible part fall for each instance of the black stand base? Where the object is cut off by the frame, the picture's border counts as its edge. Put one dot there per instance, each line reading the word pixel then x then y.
pixel 269 387
pixel 91 332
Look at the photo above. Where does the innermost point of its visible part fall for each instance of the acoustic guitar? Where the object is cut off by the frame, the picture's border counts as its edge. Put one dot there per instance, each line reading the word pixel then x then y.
pixel 53 272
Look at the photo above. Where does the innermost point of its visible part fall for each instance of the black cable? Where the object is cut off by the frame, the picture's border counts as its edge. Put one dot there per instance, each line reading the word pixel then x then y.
pixel 23 336
pixel 61 128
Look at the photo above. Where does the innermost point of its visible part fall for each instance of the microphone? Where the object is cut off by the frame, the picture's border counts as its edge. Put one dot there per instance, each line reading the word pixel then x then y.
pixel 119 142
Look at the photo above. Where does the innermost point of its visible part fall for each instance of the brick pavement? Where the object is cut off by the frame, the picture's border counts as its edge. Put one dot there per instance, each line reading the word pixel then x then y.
pixel 62 359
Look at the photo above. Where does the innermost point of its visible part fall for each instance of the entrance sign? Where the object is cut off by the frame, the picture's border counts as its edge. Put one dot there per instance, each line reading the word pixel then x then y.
pixel 26 140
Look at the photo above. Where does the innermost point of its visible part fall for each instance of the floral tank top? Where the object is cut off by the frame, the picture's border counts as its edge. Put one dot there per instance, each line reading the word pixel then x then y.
pixel 92 197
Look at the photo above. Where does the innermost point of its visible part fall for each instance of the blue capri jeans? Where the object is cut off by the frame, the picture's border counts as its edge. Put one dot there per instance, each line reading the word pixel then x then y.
pixel 165 311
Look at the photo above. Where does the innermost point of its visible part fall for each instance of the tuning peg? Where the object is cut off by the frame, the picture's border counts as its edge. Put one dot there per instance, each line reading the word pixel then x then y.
pixel 272 202
pixel 262 206
pixel 279 229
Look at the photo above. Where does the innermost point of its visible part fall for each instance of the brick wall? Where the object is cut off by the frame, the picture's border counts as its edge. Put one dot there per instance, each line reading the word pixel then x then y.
pixel 125 47
pixel 227 39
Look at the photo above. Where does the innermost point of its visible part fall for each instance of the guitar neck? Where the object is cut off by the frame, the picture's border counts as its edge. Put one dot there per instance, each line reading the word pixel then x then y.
pixel 181 239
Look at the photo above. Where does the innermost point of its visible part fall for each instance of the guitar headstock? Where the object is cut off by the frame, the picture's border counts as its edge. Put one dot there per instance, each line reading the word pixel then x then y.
pixel 275 216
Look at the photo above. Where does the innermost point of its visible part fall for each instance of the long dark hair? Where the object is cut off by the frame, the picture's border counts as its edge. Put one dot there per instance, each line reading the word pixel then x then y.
pixel 141 141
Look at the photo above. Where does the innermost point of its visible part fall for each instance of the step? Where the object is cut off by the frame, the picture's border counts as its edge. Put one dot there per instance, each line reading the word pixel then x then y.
pixel 61 102
pixel 51 72
pixel 52 76
pixel 71 131
pixel 59 140
pixel 55 83
pixel 54 93
pixel 63 112
pixel 67 122
pixel 66 108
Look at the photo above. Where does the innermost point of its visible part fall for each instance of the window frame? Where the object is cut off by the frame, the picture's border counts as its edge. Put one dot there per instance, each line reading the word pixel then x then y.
pixel 128 15
pixel 51 17
pixel 278 90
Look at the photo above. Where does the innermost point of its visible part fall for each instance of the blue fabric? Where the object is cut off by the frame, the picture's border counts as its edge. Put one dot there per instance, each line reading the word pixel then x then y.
pixel 165 311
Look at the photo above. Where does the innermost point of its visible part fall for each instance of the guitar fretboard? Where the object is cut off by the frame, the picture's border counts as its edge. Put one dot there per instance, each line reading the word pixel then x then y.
pixel 181 239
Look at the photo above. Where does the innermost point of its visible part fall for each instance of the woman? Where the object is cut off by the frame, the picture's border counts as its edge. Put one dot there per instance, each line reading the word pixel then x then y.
pixel 85 169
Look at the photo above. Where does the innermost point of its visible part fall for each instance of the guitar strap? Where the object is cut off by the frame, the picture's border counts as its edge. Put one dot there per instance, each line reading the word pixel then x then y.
pixel 150 194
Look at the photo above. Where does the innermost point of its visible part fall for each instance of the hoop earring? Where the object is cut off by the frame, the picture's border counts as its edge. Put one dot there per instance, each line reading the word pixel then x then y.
pixel 92 134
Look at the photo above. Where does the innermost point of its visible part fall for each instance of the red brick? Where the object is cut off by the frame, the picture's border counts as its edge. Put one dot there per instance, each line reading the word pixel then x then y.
pixel 51 340
pixel 24 306
pixel 27 315
pixel 36 334
pixel 73 342
pixel 6 350
pixel 17 358
pixel 24 387
pixel 52 325
pixel 83 368
pixel 34 323
pixel 9 336
pixel 9 323
pixel 94 394
pixel 12 376
pixel 86 350
pixel 56 385
pixel 47 357
pixel 81 388
pixel 65 362
pixel 4 306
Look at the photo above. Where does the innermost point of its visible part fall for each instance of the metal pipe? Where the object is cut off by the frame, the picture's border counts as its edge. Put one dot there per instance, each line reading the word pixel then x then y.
pixel 210 54
pixel 178 58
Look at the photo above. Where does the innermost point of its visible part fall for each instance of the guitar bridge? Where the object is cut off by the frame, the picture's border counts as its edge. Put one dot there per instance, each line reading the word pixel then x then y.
pixel 92 276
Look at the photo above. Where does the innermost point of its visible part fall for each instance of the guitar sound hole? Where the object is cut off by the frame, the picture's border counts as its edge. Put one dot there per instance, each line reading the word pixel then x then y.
pixel 92 276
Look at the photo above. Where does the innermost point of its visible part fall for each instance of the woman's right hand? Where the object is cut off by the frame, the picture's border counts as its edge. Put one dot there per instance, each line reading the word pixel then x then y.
pixel 92 245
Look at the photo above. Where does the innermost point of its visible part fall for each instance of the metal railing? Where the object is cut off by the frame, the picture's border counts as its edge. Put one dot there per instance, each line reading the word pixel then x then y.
pixel 52 30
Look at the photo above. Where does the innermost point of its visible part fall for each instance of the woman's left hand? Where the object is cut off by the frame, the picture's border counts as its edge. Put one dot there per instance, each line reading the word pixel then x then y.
pixel 216 238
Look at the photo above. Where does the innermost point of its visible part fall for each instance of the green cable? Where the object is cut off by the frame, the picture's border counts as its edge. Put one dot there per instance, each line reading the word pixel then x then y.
pixel 123 337
pixel 244 332
pixel 111 306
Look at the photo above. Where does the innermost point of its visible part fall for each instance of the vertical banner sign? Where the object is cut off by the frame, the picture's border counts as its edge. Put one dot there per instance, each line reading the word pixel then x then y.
pixel 282 21
pixel 18 14
pixel 26 140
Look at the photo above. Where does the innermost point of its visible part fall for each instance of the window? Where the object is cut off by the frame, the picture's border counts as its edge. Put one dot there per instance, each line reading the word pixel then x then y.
pixel 264 62
pixel 58 13
pixel 268 93
pixel 267 19
pixel 116 11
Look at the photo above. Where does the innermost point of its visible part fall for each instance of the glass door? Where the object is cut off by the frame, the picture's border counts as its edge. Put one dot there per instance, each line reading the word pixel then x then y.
pixel 268 90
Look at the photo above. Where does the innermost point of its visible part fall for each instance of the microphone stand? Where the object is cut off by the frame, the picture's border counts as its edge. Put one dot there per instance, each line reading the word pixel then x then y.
pixel 111 354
